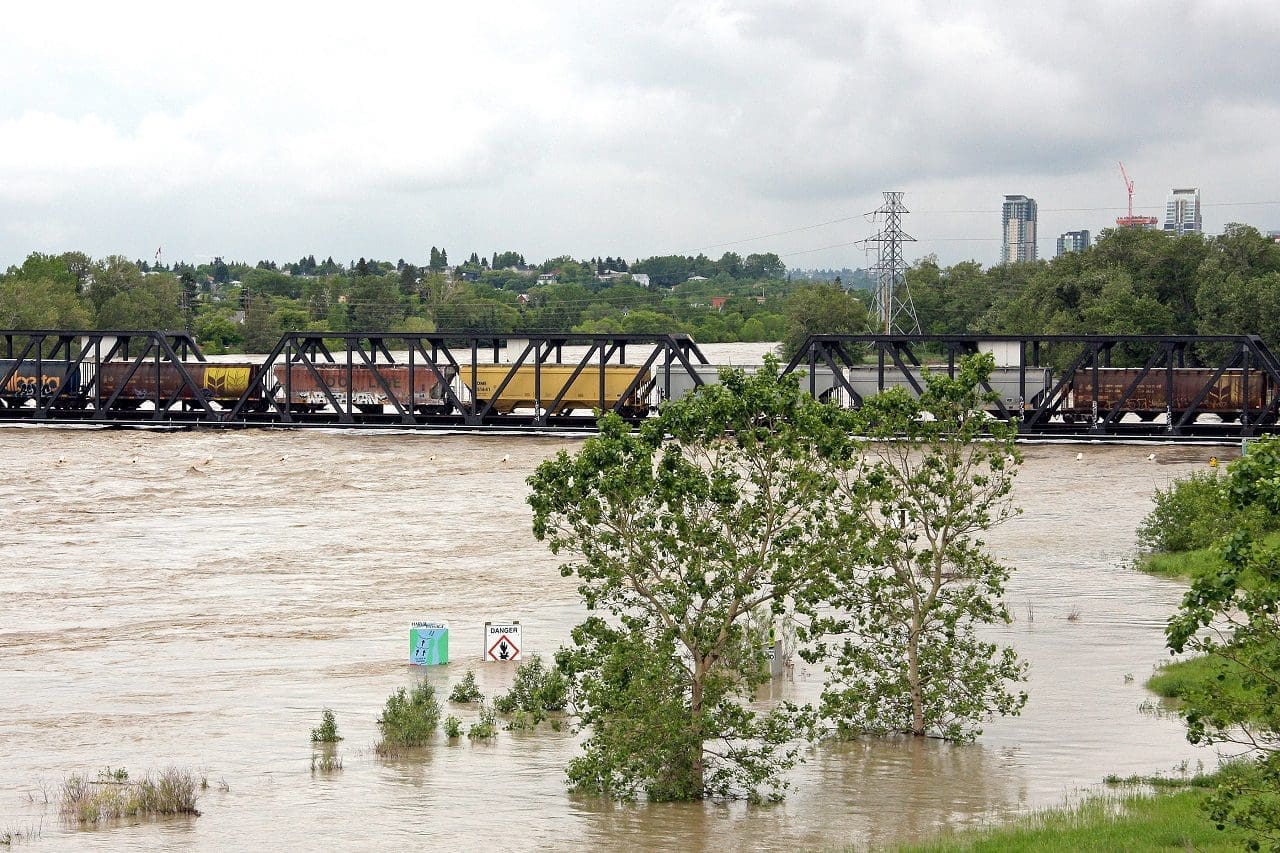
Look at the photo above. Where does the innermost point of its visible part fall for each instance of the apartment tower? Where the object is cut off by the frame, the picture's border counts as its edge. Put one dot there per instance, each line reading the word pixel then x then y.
pixel 1019 230
pixel 1073 241
pixel 1182 211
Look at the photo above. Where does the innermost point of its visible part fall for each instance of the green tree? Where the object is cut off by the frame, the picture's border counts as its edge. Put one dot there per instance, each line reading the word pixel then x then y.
pixel 375 303
pixel 821 309
pixel 260 331
pixel 690 533
pixel 1233 616
pixel 41 303
pixel 767 265
pixel 152 301
pixel 918 583
pixel 216 331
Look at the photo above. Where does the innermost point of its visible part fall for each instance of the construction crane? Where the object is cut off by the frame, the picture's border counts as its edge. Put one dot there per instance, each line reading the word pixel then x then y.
pixel 1132 221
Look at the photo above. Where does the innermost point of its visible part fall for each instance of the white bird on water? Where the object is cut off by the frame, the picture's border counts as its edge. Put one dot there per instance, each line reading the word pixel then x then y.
pixel 431 458
pixel 1151 457
pixel 506 457
pixel 1079 457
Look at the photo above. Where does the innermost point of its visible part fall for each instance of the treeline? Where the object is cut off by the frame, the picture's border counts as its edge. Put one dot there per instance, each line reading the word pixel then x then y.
pixel 232 306
pixel 1130 282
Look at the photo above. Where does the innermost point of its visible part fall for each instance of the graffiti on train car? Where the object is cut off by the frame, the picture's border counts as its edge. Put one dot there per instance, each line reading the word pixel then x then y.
pixel 29 385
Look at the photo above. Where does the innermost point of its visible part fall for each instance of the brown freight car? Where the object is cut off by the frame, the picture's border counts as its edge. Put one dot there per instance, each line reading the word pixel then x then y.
pixel 305 386
pixel 221 383
pixel 1225 396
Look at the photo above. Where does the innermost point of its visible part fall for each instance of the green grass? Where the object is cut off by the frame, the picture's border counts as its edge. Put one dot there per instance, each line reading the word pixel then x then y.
pixel 1130 822
pixel 1190 565
pixel 1174 679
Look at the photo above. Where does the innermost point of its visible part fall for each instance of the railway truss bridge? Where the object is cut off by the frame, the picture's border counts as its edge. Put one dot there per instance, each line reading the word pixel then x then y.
pixel 1172 387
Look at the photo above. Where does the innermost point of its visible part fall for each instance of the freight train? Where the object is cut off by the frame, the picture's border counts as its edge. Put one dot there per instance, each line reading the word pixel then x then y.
pixel 561 389
pixel 307 387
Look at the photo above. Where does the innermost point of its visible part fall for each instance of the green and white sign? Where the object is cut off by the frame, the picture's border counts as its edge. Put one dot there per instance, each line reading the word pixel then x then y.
pixel 429 643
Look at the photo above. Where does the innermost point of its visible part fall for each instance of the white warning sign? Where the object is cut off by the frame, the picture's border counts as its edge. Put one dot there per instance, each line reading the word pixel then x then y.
pixel 502 641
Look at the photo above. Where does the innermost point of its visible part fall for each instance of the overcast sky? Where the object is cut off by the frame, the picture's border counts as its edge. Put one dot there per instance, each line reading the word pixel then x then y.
pixel 631 128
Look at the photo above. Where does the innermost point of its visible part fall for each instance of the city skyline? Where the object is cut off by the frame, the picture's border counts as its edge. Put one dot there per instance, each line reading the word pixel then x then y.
pixel 676 128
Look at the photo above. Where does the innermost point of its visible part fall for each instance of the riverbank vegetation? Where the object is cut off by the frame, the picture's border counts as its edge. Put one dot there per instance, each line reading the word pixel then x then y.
pixel 1135 821
pixel 1230 621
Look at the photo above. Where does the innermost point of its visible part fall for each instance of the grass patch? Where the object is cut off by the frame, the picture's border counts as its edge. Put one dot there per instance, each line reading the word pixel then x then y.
pixel 114 795
pixel 1206 673
pixel 1130 822
pixel 1192 565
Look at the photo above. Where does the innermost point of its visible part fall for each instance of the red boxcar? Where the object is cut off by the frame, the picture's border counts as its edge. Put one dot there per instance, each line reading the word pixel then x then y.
pixel 1225 396
pixel 306 385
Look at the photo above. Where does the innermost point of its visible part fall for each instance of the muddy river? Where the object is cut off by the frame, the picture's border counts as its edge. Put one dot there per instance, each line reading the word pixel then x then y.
pixel 196 599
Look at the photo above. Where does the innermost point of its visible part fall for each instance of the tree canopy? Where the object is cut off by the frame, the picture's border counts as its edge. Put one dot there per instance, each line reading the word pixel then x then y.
pixel 691 533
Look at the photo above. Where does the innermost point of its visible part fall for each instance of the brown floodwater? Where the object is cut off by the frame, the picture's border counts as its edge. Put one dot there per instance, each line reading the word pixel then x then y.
pixel 196 599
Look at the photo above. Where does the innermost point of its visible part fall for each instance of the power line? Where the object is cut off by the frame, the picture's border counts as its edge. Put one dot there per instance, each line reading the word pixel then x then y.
pixel 784 233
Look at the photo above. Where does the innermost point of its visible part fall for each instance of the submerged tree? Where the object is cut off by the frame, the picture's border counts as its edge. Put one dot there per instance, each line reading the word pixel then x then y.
pixel 686 532
pixel 917 582
pixel 1233 616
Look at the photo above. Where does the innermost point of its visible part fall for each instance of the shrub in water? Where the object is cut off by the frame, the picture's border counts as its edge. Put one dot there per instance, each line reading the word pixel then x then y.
pixel 112 795
pixel 485 727
pixel 410 718
pixel 536 691
pixel 452 727
pixel 328 730
pixel 466 690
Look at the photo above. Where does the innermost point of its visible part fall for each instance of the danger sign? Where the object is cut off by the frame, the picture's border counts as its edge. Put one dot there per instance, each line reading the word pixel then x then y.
pixel 502 641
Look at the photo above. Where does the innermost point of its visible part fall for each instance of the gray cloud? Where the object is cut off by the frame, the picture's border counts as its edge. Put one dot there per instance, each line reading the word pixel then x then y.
pixel 617 127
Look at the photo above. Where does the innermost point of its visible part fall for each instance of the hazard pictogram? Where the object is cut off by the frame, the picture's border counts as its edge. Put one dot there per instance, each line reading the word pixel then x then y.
pixel 504 649
pixel 502 641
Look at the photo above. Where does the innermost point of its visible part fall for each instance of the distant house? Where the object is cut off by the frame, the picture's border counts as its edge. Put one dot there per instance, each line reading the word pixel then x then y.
pixel 639 278
pixel 717 302
pixel 697 278
pixel 547 278
pixel 523 299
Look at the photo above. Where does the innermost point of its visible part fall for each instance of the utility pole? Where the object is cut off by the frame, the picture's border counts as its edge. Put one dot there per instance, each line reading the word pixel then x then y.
pixel 896 314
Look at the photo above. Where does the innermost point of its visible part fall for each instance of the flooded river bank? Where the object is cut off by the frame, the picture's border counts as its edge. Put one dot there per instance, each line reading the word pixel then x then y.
pixel 197 598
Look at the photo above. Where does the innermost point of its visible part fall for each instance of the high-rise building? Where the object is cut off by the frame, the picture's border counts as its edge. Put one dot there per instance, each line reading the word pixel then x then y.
pixel 1182 211
pixel 1073 241
pixel 1019 230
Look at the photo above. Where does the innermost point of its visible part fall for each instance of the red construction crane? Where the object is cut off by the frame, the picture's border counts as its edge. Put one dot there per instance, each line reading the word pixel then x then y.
pixel 1132 221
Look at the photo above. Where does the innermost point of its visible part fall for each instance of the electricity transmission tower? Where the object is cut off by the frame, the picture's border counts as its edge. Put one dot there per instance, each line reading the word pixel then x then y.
pixel 895 312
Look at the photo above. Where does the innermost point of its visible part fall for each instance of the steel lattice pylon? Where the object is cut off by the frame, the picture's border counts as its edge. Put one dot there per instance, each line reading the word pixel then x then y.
pixel 894 309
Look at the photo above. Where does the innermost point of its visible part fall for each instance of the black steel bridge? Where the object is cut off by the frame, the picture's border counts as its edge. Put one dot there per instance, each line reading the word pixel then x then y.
pixel 1153 387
